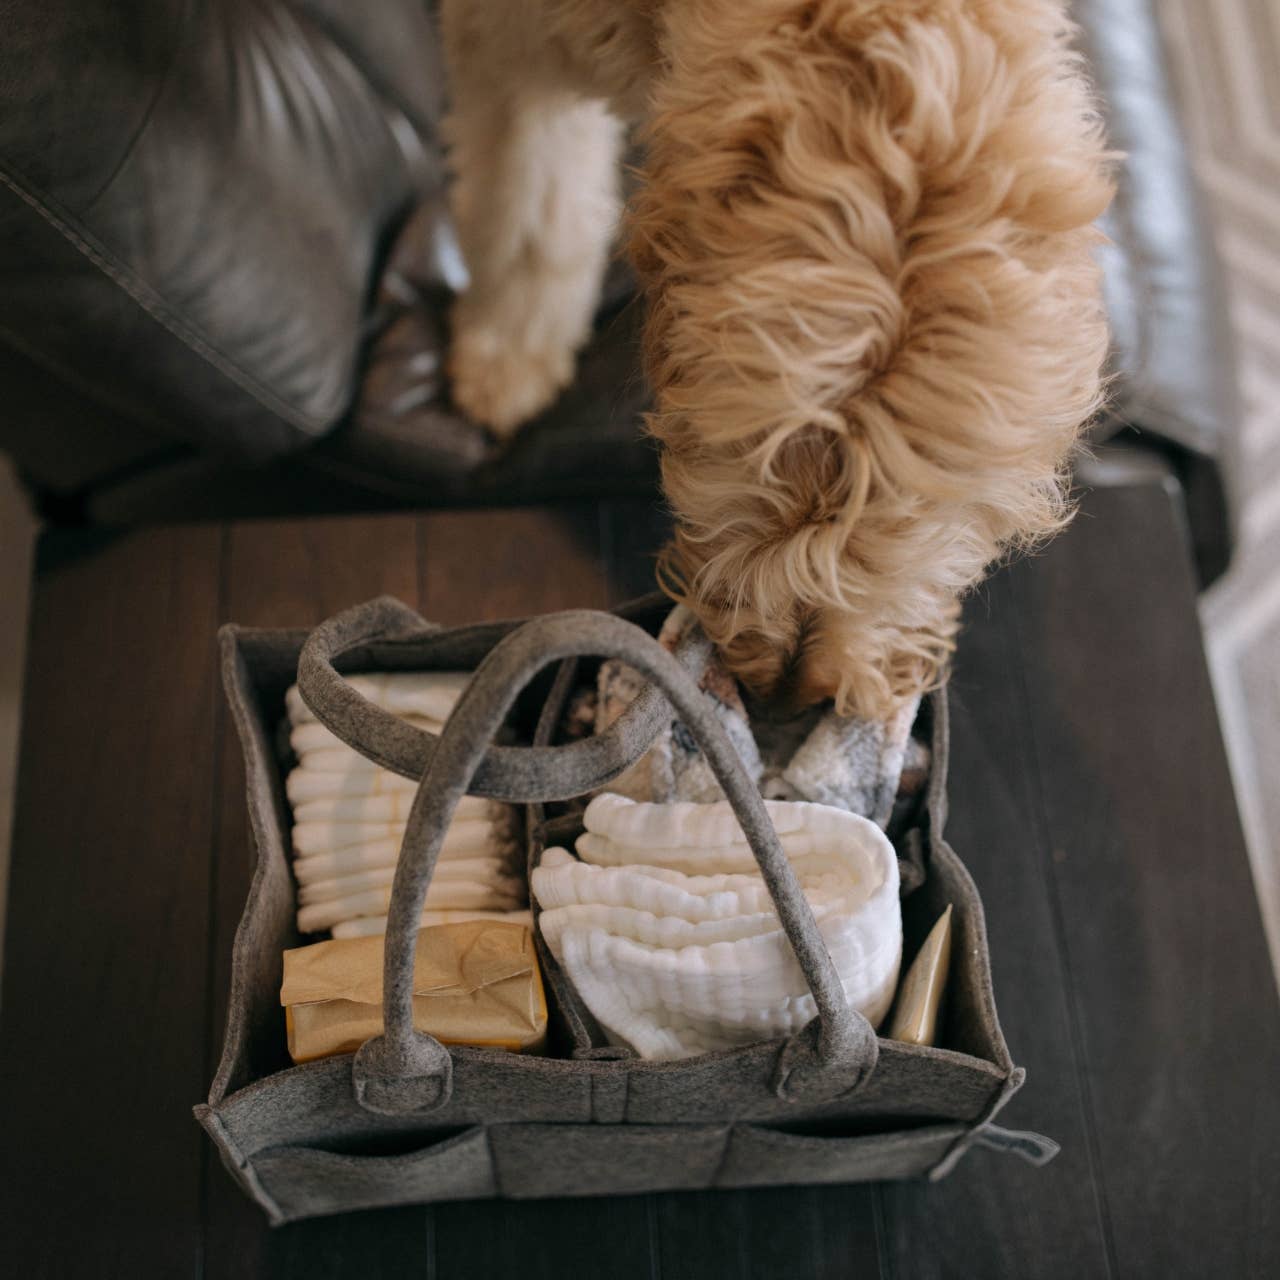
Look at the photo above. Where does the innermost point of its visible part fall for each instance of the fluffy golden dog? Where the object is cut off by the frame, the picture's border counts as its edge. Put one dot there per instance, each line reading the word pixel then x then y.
pixel 864 229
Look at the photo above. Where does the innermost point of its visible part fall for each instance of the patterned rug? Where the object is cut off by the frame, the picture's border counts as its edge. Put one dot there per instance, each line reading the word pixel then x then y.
pixel 1226 64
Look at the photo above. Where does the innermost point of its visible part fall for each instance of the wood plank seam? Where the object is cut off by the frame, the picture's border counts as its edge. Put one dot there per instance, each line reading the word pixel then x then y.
pixel 650 1201
pixel 880 1216
pixel 212 1041
pixel 1044 843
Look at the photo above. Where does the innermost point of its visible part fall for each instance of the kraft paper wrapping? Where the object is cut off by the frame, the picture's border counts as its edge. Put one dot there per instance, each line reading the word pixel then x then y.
pixel 475 983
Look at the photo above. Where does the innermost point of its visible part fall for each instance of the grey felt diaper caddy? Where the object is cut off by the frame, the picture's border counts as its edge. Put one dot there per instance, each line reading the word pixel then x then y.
pixel 406 1120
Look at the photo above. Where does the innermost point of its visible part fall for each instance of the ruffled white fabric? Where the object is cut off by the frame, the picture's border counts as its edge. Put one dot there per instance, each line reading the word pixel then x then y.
pixel 682 953
pixel 350 816
pixel 699 838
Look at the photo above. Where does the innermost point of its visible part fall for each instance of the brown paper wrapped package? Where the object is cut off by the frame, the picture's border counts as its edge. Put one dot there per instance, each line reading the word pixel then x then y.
pixel 475 983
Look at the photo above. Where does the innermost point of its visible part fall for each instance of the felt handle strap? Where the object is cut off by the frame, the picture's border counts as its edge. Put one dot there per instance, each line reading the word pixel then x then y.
pixel 405 1070
pixel 385 634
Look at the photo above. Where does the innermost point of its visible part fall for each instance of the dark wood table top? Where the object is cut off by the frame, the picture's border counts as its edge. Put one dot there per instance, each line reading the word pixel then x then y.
pixel 1090 798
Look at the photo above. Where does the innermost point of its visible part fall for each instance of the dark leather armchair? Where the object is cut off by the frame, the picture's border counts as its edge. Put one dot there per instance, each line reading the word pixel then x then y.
pixel 224 266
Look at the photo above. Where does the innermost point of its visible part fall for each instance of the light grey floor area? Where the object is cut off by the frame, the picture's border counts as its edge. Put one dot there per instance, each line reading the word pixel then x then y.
pixel 17 536
pixel 1226 62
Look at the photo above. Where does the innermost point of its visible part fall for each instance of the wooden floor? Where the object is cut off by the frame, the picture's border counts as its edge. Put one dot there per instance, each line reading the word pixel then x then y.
pixel 1090 798
pixel 17 537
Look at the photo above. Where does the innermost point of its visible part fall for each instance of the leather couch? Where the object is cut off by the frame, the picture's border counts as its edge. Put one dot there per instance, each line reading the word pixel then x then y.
pixel 224 264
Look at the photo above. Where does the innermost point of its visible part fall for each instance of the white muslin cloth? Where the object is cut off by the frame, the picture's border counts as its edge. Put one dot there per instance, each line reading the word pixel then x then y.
pixel 684 954
pixel 350 815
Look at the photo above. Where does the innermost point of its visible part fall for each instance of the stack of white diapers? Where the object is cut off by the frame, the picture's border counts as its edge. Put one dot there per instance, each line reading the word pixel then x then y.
pixel 664 926
pixel 349 816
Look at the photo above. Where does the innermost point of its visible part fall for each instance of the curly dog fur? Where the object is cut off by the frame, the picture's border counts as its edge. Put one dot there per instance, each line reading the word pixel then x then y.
pixel 865 233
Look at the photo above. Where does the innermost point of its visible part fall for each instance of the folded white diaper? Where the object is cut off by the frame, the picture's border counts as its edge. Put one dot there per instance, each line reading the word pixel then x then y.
pixel 478 871
pixel 453 887
pixel 307 782
pixel 386 853
pixel 667 932
pixel 366 926
pixel 311 735
pixel 430 694
pixel 473 835
pixel 350 816
pixel 390 806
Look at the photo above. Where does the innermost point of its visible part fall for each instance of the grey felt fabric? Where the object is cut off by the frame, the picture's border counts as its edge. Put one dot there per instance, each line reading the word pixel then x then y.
pixel 387 635
pixel 405 1070
pixel 463 1123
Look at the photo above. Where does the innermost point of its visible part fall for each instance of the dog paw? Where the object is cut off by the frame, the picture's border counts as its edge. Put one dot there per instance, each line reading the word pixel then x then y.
pixel 500 385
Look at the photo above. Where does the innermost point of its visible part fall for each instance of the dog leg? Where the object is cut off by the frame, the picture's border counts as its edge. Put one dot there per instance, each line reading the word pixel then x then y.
pixel 536 201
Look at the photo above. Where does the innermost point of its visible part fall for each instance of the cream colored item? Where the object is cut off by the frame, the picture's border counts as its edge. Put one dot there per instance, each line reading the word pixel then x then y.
pixel 350 816
pixel 675 964
pixel 472 835
pixel 393 806
pixel 339 760
pixel 350 862
pixel 496 870
pixel 915 1018
pixel 429 694
pixel 385 853
pixel 366 926
pixel 307 783
pixel 311 735
pixel 446 893
pixel 698 838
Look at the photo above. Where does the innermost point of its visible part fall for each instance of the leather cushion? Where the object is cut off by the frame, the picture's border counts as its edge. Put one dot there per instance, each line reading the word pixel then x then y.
pixel 193 197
